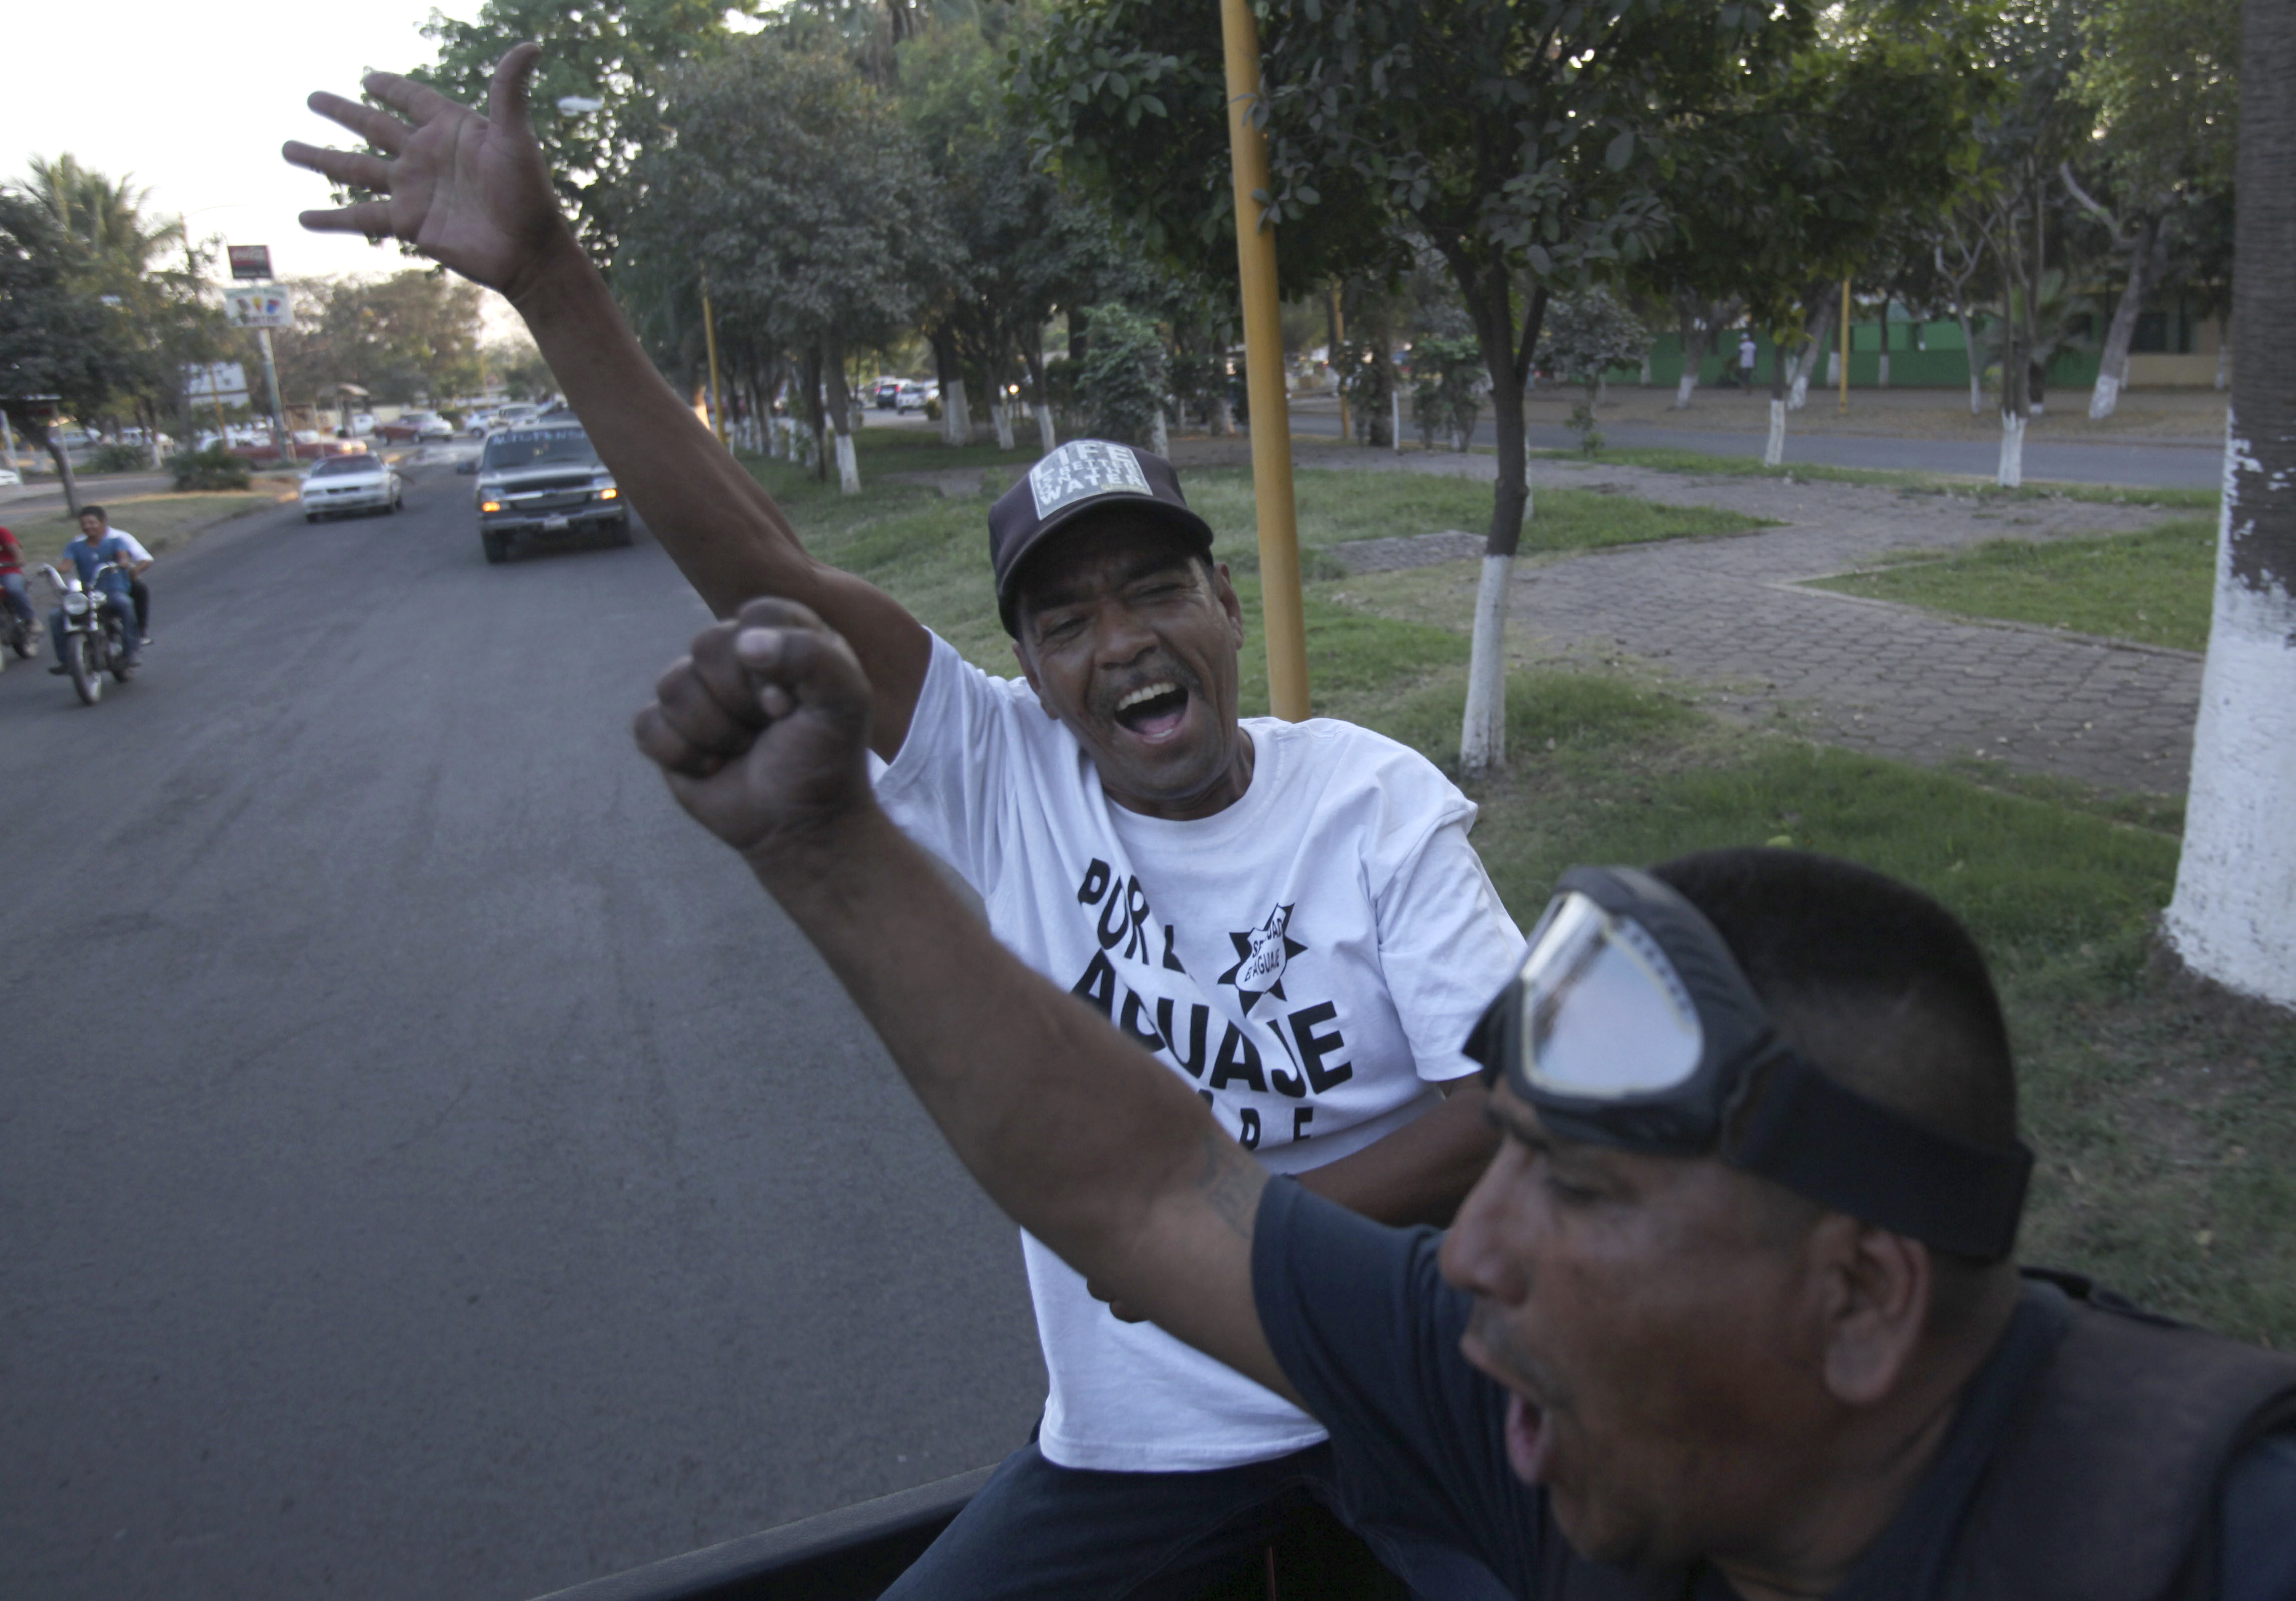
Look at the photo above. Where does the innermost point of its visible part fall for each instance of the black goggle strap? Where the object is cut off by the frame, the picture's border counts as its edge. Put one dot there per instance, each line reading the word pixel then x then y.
pixel 1824 1140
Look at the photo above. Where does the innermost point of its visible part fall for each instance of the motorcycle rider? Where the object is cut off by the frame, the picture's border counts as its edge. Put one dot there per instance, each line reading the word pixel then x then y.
pixel 96 544
pixel 11 583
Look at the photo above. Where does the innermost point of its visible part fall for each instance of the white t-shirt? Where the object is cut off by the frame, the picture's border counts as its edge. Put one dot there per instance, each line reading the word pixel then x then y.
pixel 1309 959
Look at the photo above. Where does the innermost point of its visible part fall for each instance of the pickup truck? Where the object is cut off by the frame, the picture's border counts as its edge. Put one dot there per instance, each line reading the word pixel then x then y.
pixel 545 481
pixel 855 1554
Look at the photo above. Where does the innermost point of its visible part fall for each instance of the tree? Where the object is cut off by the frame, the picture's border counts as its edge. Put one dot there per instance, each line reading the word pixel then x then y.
pixel 149 277
pixel 1587 335
pixel 1026 248
pixel 411 335
pixel 2160 77
pixel 790 184
pixel 2233 918
pixel 1522 140
pixel 54 341
pixel 597 96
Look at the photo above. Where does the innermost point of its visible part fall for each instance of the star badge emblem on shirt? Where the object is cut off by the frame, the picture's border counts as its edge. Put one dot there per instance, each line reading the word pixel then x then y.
pixel 1261 955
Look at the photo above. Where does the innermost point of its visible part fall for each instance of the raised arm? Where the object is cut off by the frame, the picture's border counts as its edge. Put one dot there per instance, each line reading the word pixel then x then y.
pixel 472 192
pixel 1078 1135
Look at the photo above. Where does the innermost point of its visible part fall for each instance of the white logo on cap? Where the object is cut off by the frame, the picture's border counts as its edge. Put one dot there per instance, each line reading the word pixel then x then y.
pixel 1083 468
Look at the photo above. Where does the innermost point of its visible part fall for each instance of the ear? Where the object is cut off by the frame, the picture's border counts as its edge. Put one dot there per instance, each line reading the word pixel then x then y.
pixel 1224 590
pixel 1877 1295
pixel 1028 671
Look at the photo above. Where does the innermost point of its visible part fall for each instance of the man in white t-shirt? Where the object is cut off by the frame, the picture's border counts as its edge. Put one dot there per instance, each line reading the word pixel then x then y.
pixel 1287 915
pixel 1290 916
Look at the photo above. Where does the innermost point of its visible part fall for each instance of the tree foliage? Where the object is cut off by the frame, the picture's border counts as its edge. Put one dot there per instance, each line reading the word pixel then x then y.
pixel 616 54
pixel 410 335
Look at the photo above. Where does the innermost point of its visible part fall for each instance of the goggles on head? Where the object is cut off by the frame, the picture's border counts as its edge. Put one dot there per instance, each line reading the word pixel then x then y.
pixel 1631 1025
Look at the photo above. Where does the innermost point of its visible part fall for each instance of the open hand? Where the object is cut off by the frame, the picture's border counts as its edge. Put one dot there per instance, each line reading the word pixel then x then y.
pixel 762 731
pixel 469 191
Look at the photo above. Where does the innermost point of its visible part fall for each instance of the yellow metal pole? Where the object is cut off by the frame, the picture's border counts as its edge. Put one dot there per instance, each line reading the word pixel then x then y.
pixel 709 334
pixel 1285 618
pixel 1845 346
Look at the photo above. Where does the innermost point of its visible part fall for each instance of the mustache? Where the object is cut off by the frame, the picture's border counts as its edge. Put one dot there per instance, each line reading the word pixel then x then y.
pixel 1110 691
pixel 1487 1326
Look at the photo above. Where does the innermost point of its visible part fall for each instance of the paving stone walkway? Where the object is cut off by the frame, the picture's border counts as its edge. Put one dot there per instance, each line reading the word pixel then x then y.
pixel 1730 614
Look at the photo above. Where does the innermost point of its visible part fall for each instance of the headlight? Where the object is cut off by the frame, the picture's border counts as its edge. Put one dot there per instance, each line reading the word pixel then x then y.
pixel 609 492
pixel 76 605
pixel 490 506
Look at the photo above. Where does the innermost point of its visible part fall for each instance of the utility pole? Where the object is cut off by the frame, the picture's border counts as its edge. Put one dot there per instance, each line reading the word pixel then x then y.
pixel 1845 344
pixel 1282 609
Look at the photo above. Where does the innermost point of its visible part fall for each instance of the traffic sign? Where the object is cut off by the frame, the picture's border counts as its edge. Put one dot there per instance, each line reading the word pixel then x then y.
pixel 258 306
pixel 250 262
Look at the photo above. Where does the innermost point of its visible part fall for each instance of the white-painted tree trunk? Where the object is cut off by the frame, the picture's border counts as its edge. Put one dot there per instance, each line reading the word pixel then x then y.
pixel 1223 417
pixel 1797 392
pixel 1832 368
pixel 2011 473
pixel 1395 416
pixel 848 470
pixel 1160 438
pixel 1001 413
pixel 1976 372
pixel 1774 452
pixel 1049 438
pixel 1482 734
pixel 2233 918
pixel 1684 386
pixel 2104 398
pixel 956 413
pixel 1881 376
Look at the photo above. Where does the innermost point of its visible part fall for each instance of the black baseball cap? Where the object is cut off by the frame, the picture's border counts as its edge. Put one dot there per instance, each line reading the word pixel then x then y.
pixel 1077 480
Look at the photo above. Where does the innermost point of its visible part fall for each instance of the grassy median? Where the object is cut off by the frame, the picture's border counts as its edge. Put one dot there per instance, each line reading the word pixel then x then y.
pixel 159 521
pixel 2153 587
pixel 2160 1115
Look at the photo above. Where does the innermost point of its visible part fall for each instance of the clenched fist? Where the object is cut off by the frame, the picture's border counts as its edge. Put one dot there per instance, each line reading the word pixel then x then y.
pixel 762 731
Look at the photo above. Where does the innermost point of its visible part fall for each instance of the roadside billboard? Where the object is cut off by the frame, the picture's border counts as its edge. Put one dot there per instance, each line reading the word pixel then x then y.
pixel 258 306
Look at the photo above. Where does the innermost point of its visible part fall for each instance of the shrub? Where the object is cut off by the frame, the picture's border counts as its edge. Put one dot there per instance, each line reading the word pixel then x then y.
pixel 117 457
pixel 1447 391
pixel 213 468
pixel 1122 383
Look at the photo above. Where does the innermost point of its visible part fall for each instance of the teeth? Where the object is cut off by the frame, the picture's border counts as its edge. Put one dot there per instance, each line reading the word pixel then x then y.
pixel 1146 691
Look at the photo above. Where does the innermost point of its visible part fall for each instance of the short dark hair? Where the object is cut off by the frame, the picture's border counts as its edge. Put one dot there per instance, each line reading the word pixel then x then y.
pixel 1874 981
pixel 96 512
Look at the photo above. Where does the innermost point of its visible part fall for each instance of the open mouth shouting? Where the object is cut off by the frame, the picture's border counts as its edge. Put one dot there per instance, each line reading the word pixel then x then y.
pixel 1155 711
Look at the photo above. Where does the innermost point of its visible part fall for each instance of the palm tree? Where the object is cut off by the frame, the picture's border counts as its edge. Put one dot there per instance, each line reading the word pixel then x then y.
pixel 2234 916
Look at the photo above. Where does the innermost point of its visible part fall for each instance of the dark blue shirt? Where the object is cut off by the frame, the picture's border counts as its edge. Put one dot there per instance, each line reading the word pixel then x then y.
pixel 1360 1319
pixel 87 558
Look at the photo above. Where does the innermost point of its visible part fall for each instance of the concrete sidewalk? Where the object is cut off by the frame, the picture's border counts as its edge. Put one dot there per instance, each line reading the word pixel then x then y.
pixel 1732 616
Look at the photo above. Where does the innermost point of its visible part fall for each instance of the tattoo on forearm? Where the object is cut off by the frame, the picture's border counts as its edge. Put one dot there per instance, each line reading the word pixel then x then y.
pixel 1227 1184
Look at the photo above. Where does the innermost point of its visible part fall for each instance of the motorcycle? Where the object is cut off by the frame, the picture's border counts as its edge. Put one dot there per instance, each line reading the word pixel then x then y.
pixel 96 640
pixel 17 636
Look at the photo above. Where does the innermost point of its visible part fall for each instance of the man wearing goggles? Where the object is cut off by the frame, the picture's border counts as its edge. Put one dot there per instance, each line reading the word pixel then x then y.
pixel 1729 1315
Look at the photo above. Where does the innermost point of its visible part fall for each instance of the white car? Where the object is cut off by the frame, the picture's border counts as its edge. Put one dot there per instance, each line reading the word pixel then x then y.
pixel 9 477
pixel 338 485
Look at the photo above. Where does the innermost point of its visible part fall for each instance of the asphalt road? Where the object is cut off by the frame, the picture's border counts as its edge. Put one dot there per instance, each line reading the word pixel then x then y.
pixel 430 1166
pixel 2136 465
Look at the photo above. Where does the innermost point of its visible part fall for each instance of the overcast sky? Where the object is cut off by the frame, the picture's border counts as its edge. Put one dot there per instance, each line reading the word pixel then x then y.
pixel 194 100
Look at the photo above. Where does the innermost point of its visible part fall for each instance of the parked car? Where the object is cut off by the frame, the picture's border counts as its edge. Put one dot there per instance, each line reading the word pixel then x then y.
pixel 417 426
pixel 362 423
pixel 885 394
pixel 545 480
pixel 343 484
pixel 913 395
pixel 9 478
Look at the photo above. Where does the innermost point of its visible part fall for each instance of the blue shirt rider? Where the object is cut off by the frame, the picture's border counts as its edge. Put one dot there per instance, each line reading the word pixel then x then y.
pixel 99 543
